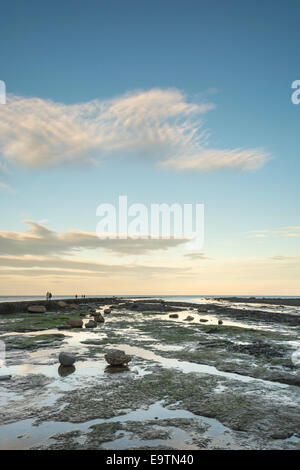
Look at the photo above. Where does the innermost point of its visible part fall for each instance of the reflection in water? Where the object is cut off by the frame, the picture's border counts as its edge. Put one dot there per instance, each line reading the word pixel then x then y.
pixel 116 369
pixel 66 370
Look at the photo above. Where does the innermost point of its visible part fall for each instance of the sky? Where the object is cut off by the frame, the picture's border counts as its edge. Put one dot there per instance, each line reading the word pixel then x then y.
pixel 164 102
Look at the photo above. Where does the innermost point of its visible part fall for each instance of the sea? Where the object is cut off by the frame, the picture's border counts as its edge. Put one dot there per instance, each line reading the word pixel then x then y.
pixel 179 298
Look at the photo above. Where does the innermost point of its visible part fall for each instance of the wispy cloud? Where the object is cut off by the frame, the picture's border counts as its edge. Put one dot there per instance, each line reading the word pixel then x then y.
pixel 285 232
pixel 197 256
pixel 35 265
pixel 40 240
pixel 284 258
pixel 161 124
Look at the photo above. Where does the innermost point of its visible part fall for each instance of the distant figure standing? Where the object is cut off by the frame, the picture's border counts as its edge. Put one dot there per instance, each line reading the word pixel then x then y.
pixel 47 296
pixel 76 296
pixel 50 296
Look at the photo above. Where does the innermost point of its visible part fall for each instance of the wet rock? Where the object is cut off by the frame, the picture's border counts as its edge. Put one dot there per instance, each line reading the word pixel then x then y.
pixel 203 320
pixel 75 322
pixel 73 306
pixel 62 303
pixel 257 348
pixel 117 358
pixel 99 318
pixel 91 324
pixel 107 310
pixel 202 309
pixel 36 308
pixel 5 377
pixel 281 435
pixel 174 315
pixel 189 318
pixel 149 306
pixel 213 343
pixel 33 342
pixel 66 359
pixel 220 322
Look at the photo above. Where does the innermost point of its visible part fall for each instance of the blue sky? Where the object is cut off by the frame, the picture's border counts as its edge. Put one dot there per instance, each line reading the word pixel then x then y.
pixel 241 56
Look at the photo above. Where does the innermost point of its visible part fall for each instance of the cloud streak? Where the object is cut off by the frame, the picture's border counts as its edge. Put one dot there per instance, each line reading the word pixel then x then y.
pixel 39 240
pixel 292 231
pixel 160 124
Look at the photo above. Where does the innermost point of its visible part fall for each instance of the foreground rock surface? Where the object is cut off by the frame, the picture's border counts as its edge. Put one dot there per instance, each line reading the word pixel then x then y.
pixel 169 374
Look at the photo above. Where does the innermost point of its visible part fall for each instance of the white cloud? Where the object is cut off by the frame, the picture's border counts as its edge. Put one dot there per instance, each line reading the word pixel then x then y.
pixel 158 123
pixel 40 240
pixel 210 159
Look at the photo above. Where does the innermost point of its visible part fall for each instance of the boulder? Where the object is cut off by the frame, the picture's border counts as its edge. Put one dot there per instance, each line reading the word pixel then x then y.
pixel 73 306
pixel 203 320
pixel 117 358
pixel 189 318
pixel 174 315
pixel 62 303
pixel 36 308
pixel 202 309
pixel 220 322
pixel 66 359
pixel 91 324
pixel 75 322
pixel 107 310
pixel 99 318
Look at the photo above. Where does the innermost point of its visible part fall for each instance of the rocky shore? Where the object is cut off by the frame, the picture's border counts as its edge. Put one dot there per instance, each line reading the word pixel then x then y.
pixel 120 373
pixel 263 300
pixel 51 305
